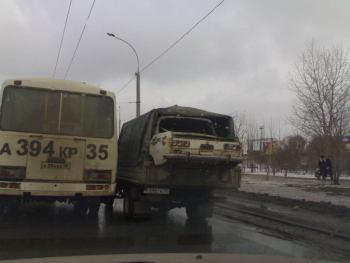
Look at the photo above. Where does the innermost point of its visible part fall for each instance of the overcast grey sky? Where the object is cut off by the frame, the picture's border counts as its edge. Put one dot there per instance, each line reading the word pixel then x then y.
pixel 238 59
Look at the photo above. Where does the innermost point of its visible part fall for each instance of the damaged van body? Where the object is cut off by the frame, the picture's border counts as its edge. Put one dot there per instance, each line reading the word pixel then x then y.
pixel 175 157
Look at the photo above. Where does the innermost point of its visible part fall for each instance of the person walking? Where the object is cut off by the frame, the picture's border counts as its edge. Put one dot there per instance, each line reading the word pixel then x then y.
pixel 322 167
pixel 329 169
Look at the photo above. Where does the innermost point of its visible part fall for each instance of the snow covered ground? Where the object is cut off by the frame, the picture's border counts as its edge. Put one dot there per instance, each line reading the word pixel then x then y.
pixel 292 174
pixel 297 187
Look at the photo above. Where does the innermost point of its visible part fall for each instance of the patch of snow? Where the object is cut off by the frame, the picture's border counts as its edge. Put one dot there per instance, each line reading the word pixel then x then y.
pixel 292 174
pixel 298 188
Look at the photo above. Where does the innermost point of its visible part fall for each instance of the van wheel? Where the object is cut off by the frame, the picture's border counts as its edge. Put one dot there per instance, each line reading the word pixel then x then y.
pixel 128 206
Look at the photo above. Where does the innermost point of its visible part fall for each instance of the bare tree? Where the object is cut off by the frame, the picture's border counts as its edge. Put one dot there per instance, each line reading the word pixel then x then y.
pixel 321 81
pixel 241 126
pixel 255 147
pixel 293 152
pixel 322 85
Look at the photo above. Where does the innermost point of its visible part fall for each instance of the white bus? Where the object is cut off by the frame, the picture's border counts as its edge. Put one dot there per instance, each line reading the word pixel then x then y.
pixel 57 142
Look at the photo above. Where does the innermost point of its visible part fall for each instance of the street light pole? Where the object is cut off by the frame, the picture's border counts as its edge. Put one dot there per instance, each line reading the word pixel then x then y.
pixel 137 73
pixel 138 95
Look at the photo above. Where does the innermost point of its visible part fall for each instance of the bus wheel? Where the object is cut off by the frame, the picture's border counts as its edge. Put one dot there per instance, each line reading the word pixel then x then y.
pixel 128 206
pixel 94 206
pixel 80 207
pixel 12 208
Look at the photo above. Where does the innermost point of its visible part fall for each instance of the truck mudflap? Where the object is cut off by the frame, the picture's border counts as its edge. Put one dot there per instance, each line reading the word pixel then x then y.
pixel 208 159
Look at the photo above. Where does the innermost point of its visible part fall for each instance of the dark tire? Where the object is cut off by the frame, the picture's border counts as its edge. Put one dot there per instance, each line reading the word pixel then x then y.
pixel 94 207
pixel 162 212
pixel 128 206
pixel 199 211
pixel 109 205
pixel 12 209
pixel 2 209
pixel 11 206
pixel 191 211
pixel 80 207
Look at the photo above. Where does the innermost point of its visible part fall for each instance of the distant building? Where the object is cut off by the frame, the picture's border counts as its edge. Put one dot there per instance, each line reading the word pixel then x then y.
pixel 257 148
pixel 266 145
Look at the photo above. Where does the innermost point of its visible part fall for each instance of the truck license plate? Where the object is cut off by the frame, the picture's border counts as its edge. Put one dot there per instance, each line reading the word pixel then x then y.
pixel 157 191
pixel 206 147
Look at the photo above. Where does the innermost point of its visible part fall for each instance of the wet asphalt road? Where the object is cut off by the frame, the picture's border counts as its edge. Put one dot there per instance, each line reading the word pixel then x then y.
pixel 53 230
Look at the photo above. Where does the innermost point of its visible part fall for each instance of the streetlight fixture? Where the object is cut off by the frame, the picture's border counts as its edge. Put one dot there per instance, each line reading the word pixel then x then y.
pixel 137 73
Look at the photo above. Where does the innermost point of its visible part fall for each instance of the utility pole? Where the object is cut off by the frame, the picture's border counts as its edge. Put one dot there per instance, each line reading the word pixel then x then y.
pixel 138 102
pixel 138 99
pixel 261 142
pixel 261 138
pixel 119 121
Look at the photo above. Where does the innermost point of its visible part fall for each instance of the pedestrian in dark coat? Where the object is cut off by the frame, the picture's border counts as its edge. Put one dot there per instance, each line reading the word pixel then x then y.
pixel 329 168
pixel 322 167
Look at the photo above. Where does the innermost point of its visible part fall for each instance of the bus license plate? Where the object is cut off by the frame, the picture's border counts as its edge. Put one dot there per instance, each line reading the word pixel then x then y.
pixel 157 191
pixel 46 165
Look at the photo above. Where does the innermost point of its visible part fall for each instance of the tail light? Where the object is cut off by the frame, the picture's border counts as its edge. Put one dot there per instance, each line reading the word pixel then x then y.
pixel 11 173
pixel 180 143
pixel 232 147
pixel 10 185
pixel 98 176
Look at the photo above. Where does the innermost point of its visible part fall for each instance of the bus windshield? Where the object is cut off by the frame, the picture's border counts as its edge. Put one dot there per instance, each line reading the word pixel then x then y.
pixel 56 112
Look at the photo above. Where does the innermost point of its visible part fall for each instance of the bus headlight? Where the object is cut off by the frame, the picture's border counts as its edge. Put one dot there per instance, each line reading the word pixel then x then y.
pixel 10 173
pixel 98 176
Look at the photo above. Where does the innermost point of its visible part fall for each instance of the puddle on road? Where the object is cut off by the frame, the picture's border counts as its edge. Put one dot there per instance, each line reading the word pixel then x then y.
pixel 55 231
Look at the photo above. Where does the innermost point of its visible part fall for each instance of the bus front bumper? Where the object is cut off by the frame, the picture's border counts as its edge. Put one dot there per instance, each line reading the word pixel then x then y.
pixel 56 189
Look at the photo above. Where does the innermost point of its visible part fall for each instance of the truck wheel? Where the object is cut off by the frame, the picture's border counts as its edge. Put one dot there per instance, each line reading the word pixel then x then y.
pixel 109 205
pixel 128 206
pixel 162 212
pixel 199 211
pixel 191 211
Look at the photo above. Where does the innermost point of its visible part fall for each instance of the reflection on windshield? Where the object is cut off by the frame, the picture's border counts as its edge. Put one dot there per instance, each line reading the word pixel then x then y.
pixel 81 115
